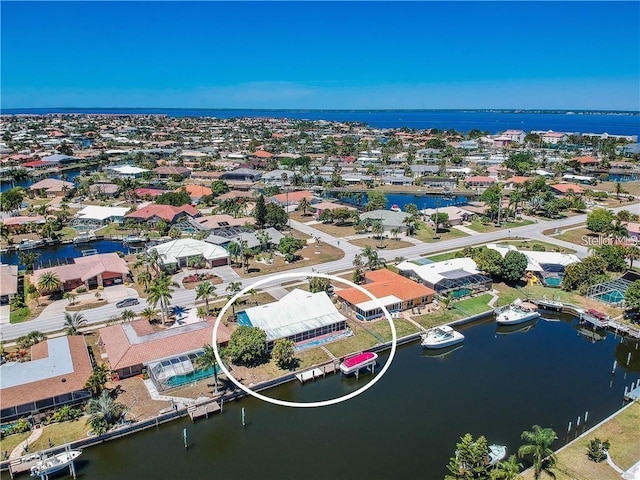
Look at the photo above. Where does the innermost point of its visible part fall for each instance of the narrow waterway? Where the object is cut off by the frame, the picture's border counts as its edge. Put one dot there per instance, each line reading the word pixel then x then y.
pixel 52 255
pixel 499 383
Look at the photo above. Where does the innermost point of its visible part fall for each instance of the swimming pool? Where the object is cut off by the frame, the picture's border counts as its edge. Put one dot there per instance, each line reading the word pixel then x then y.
pixel 179 380
pixel 610 297
pixel 243 319
pixel 553 281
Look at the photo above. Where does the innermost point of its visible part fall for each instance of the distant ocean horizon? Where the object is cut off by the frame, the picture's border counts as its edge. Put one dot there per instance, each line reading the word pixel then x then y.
pixel 492 120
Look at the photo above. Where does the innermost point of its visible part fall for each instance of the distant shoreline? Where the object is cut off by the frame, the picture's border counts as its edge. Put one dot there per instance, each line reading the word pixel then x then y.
pixel 542 111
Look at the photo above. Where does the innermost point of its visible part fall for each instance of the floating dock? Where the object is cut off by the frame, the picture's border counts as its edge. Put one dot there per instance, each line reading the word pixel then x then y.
pixel 197 411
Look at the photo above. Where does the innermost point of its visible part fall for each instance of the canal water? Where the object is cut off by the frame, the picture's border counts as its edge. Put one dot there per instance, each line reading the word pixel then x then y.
pixel 499 383
pixel 53 255
pixel 402 199
pixel 66 175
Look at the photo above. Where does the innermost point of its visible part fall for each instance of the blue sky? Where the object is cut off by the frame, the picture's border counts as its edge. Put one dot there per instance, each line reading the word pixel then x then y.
pixel 565 55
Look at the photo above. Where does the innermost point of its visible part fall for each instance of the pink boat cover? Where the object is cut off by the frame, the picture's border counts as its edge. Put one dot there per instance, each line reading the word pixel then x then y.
pixel 358 359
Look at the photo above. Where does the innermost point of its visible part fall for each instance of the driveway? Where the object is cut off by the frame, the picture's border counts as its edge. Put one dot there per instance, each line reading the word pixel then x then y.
pixel 5 313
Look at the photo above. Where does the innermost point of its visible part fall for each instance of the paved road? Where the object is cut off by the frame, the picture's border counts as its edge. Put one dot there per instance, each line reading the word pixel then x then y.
pixel 186 298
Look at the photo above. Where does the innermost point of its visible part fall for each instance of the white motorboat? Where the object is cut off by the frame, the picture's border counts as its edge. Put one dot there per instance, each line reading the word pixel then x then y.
pixel 26 244
pixel 55 463
pixel 441 337
pixel 515 313
pixel 84 237
pixel 496 454
pixel 553 305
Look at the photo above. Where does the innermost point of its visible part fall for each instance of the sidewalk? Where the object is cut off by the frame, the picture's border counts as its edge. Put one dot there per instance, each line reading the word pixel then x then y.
pixel 19 450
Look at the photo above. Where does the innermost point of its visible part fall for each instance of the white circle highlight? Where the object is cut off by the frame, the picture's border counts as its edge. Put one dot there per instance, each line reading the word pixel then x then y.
pixel 322 403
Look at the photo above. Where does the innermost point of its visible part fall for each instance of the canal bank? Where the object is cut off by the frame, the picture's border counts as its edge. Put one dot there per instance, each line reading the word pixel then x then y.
pixel 422 403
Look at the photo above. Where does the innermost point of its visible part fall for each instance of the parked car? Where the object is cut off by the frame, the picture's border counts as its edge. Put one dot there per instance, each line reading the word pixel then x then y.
pixel 127 302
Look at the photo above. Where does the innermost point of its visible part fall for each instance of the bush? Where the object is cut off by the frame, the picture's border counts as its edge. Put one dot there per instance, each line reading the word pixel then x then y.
pixel 81 289
pixel 539 248
pixel 597 450
pixel 65 413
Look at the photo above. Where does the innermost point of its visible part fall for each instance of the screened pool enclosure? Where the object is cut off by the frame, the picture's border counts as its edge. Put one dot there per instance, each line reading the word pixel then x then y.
pixel 177 371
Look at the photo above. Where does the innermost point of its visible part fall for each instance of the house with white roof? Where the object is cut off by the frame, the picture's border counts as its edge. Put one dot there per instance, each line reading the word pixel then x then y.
pixel 298 316
pixel 458 277
pixel 125 171
pixel 95 216
pixel 178 253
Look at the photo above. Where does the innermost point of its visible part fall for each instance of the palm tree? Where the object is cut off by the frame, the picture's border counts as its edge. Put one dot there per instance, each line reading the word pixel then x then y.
pixel 206 290
pixel 49 283
pixel 395 232
pixel 507 469
pixel 149 313
pixel 99 377
pixel 304 205
pixel 128 315
pixel 71 297
pixel 618 230
pixel 160 291
pixel 539 441
pixel 104 412
pixel 202 312
pixel 28 259
pixel 632 252
pixel 73 322
pixel 144 278
pixel 208 360
pixel 619 190
pixel 234 249
pixel 232 289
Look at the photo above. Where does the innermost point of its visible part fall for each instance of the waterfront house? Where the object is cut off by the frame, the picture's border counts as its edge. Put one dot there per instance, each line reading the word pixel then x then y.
pixel 457 215
pixel 298 316
pixel 458 277
pixel 92 271
pixel 222 222
pixel 395 292
pixel 55 376
pixel 178 253
pixel 515 181
pixel 95 216
pixel 439 182
pixel 224 236
pixel 275 177
pixel 51 187
pixel 8 283
pixel 292 198
pixel 132 346
pixel 388 218
pixel 16 223
pixel 196 192
pixel 152 214
pixel 479 182
pixel 587 161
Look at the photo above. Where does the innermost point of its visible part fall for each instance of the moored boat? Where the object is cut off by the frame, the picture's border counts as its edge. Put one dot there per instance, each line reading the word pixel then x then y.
pixel 395 208
pixel 26 244
pixel 441 337
pixel 552 305
pixel 84 237
pixel 358 361
pixel 515 313
pixel 135 239
pixel 496 454
pixel 55 463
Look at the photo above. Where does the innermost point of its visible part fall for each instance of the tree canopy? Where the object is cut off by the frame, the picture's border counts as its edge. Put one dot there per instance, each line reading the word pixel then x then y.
pixel 599 220
pixel 176 199
pixel 632 296
pixel 376 200
pixel 247 346
pixel 513 266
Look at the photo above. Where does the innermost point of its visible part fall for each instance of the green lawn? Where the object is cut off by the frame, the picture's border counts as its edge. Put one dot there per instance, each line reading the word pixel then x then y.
pixel 425 233
pixel 458 310
pixel 19 315
pixel 441 257
pixel 480 227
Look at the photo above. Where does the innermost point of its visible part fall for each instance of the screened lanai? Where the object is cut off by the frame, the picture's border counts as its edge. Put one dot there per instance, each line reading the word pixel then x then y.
pixel 613 291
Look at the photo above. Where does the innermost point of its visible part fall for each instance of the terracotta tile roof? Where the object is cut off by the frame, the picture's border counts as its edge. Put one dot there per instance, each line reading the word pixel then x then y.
pixel 587 160
pixel 51 387
pixel 197 190
pixel 262 154
pixel 165 212
pixel 152 192
pixel 480 179
pixel 125 349
pixel 292 197
pixel 519 180
pixel 171 170
pixel 84 268
pixel 565 187
pixel 383 283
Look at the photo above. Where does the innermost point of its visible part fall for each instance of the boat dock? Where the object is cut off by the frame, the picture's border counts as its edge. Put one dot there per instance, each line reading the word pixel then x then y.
pixel 597 320
pixel 197 411
pixel 316 372
pixel 23 464
pixel 633 394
